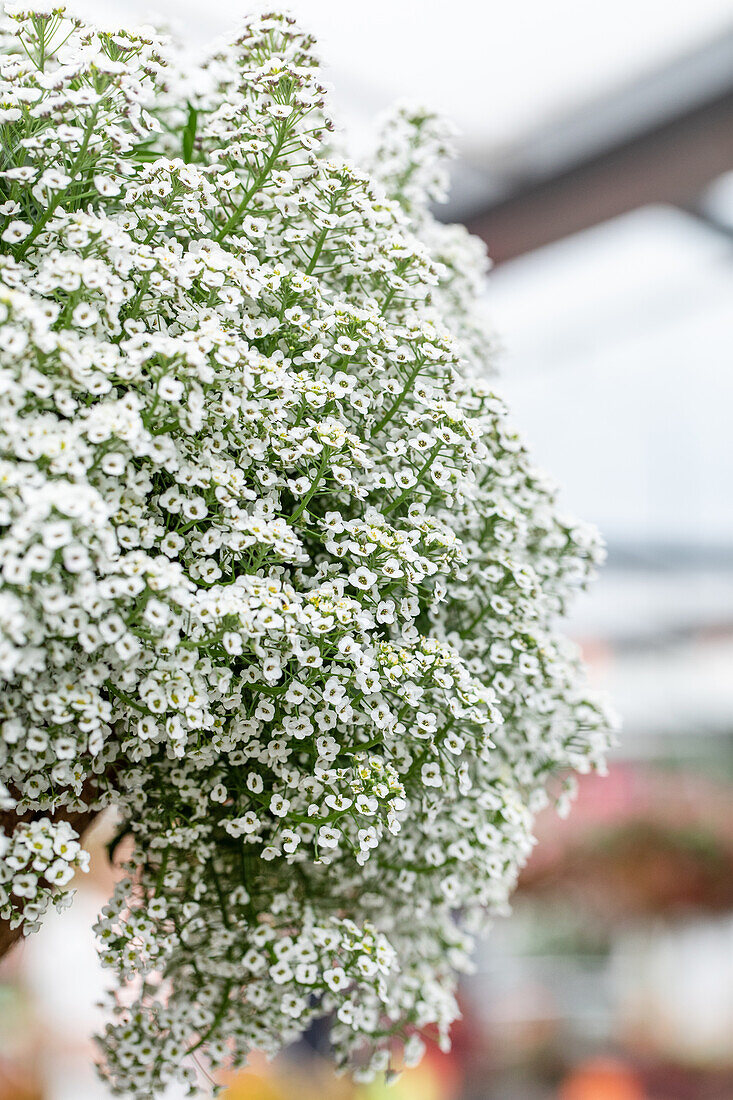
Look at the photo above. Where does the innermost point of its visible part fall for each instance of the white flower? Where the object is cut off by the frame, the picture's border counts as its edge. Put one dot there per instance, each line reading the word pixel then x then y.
pixel 336 979
pixel 59 873
pixel 25 886
pixel 363 578
pixel 54 179
pixel 16 231
pixel 170 389
pixel 85 315
pixel 328 837
pixel 279 805
pixel 280 973
pixel 430 775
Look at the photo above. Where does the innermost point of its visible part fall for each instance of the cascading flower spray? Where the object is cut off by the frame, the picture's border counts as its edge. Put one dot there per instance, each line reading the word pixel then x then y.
pixel 277 579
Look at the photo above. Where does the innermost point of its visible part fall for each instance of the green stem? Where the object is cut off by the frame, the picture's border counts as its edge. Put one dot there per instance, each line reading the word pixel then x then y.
pixel 314 485
pixel 475 620
pixel 216 1021
pixel 220 895
pixel 256 184
pixel 396 404
pixel 319 246
pixel 125 698
pixel 407 492
pixel 51 208
pixel 161 872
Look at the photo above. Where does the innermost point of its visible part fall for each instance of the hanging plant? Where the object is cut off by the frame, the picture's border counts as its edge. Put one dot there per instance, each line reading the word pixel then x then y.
pixel 278 581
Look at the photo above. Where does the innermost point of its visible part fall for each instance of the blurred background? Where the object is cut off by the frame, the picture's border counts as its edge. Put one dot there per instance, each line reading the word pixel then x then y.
pixel 596 160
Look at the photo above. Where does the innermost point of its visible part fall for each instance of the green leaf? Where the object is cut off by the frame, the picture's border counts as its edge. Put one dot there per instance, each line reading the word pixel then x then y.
pixel 189 134
pixel 144 151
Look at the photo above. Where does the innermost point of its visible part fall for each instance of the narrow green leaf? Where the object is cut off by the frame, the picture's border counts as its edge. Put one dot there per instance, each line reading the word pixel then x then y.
pixel 189 134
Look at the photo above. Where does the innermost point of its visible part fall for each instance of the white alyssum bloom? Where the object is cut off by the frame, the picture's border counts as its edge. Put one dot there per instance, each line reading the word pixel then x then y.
pixel 16 231
pixel 277 578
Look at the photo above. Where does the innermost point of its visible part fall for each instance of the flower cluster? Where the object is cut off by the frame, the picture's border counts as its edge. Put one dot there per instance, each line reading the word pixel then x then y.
pixel 277 578
pixel 38 860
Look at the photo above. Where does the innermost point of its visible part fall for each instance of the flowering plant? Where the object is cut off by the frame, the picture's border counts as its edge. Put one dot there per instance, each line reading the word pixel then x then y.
pixel 278 580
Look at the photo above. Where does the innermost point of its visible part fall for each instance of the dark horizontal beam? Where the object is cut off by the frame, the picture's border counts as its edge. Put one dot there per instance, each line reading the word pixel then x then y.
pixel 671 163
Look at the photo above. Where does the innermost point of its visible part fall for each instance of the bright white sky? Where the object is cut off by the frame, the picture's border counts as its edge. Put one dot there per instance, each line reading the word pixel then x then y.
pixel 497 69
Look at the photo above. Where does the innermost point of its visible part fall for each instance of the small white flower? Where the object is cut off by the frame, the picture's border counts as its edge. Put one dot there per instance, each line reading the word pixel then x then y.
pixel 59 873
pixel 336 979
pixel 25 886
pixel 279 806
pixel 363 578
pixel 430 775
pixel 107 186
pixel 16 231
pixel 170 389
pixel 85 315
